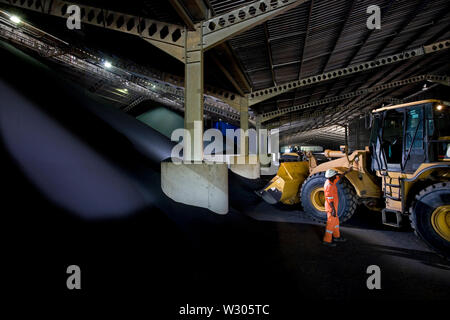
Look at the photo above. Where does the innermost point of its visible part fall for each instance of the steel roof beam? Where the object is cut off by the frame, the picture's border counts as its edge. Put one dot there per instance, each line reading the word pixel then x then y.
pixel 227 74
pixel 265 94
pixel 184 15
pixel 236 67
pixel 350 10
pixel 327 121
pixel 401 71
pixel 398 69
pixel 308 24
pixel 269 53
pixel 275 114
pixel 305 45
pixel 408 19
pixel 168 37
pixel 146 89
pixel 198 9
pixel 221 28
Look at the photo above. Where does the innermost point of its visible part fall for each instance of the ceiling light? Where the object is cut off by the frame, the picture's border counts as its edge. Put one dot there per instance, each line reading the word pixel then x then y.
pixel 107 64
pixel 124 91
pixel 15 19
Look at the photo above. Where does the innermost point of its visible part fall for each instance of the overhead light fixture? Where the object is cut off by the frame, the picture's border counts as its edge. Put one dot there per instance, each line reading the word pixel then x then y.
pixel 15 19
pixel 107 64
pixel 124 91
pixel 439 107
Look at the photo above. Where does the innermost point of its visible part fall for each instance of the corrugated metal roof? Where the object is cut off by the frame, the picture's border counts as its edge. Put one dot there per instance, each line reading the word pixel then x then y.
pixel 327 35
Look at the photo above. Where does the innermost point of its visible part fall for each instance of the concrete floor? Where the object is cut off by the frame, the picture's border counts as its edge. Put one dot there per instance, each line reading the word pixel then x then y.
pixel 410 270
pixel 257 254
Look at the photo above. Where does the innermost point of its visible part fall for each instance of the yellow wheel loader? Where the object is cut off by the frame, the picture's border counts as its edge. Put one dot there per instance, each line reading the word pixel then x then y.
pixel 404 173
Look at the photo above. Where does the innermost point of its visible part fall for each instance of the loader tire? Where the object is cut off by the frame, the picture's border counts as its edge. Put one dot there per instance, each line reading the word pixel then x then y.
pixel 430 217
pixel 310 196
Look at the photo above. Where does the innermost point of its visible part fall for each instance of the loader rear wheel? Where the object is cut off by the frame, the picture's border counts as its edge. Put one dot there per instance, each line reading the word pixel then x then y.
pixel 313 200
pixel 430 217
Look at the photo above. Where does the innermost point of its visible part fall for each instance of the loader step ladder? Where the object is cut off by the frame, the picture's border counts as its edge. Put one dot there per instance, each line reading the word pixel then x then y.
pixel 391 188
pixel 392 193
pixel 391 218
pixel 384 172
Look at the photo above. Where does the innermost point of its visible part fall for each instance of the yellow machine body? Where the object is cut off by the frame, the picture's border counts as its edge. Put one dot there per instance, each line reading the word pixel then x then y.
pixel 285 185
pixel 407 183
pixel 406 186
pixel 365 184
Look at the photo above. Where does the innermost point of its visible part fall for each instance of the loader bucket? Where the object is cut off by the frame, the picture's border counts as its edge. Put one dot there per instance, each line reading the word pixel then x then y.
pixel 284 187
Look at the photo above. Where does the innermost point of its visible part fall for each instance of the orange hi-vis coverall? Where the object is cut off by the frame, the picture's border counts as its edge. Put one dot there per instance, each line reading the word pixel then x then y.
pixel 331 195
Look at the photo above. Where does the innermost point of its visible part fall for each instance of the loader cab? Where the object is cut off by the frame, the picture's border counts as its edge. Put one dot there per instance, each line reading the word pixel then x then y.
pixel 405 136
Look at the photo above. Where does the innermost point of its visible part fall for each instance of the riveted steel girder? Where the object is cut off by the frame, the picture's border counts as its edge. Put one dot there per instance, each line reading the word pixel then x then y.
pixel 265 94
pixel 327 119
pixel 168 37
pixel 275 114
pixel 225 26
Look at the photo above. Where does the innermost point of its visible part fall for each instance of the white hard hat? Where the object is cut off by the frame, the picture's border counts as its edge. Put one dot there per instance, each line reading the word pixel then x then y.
pixel 330 173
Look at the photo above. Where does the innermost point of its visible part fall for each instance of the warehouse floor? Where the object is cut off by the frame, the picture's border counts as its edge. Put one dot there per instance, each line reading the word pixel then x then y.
pixel 256 254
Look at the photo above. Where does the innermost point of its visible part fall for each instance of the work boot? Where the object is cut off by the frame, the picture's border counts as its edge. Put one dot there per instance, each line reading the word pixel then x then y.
pixel 329 244
pixel 340 239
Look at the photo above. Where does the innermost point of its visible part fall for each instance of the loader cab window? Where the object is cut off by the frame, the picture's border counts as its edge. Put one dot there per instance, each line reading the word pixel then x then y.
pixel 392 138
pixel 414 149
pixel 375 150
pixel 375 129
pixel 438 121
pixel 442 120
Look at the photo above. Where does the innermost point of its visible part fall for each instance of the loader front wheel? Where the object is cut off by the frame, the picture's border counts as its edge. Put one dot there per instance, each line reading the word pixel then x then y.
pixel 313 199
pixel 430 217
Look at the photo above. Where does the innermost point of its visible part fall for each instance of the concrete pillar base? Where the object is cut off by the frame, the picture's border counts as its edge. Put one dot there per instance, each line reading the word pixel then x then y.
pixel 197 184
pixel 246 166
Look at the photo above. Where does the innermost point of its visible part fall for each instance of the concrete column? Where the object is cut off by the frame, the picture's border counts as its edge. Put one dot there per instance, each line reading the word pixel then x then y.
pixel 193 116
pixel 195 182
pixel 246 165
pixel 263 147
pixel 258 127
pixel 244 122
pixel 198 184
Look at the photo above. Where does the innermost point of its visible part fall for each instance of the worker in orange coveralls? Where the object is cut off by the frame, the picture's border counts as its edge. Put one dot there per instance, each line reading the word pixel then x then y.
pixel 331 207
